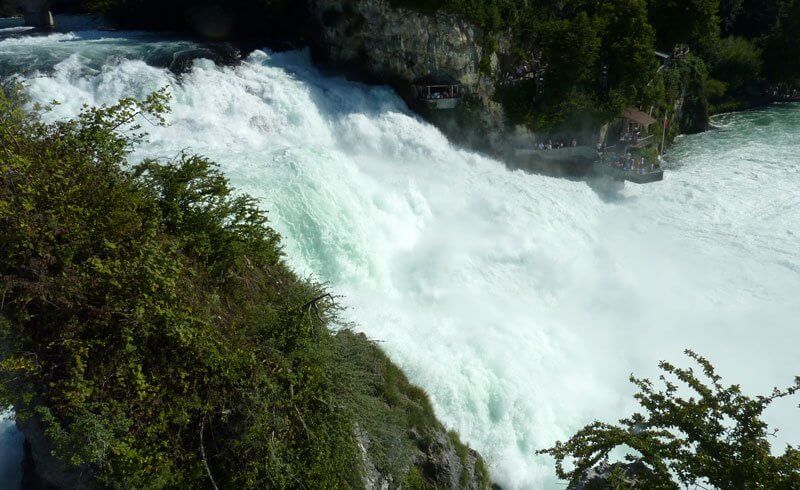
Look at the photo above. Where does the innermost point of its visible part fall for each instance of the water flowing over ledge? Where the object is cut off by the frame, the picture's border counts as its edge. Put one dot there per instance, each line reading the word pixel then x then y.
pixel 521 303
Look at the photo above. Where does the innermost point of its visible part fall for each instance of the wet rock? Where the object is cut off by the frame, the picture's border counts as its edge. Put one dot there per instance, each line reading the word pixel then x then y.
pixel 603 476
pixel 373 478
pixel 376 42
pixel 438 460
pixel 41 470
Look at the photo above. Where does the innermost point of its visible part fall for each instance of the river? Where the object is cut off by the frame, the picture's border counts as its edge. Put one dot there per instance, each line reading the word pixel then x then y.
pixel 520 302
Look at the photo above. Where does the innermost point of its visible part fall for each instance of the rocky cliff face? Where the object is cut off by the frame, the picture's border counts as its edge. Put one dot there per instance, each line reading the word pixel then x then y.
pixel 400 441
pixel 397 43
pixel 437 460
pixel 377 42
pixel 43 470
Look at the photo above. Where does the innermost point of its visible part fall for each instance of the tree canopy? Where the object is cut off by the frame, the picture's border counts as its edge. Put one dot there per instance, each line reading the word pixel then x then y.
pixel 782 46
pixel 684 21
pixel 594 57
pixel 598 57
pixel 693 431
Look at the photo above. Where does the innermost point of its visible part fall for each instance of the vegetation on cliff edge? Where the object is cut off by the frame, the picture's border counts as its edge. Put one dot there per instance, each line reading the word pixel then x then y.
pixel 695 432
pixel 597 56
pixel 150 326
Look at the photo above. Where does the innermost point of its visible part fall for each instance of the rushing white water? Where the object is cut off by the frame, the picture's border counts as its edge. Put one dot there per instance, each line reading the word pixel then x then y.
pixel 521 303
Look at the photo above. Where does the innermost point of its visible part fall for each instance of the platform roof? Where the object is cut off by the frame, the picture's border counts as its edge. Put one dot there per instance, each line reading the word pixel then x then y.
pixel 437 80
pixel 635 115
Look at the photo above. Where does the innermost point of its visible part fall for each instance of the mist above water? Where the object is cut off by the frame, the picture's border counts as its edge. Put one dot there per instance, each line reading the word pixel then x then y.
pixel 521 303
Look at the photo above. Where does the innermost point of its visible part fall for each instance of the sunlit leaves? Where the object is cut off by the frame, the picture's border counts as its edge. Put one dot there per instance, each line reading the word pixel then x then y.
pixel 694 431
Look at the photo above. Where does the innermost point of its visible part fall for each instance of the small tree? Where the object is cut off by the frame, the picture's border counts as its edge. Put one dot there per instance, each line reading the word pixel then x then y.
pixel 714 437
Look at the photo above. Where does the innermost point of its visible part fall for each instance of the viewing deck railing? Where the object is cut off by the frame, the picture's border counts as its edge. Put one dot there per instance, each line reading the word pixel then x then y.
pixel 569 153
pixel 639 142
pixel 640 175
pixel 442 104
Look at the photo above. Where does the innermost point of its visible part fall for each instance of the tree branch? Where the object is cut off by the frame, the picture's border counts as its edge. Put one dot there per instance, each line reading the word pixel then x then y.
pixel 203 454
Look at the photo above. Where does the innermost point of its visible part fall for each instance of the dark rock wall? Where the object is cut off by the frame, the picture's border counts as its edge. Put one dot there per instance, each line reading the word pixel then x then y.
pixel 375 42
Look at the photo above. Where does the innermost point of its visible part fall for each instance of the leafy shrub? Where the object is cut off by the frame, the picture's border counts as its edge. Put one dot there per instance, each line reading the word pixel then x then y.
pixel 716 89
pixel 715 436
pixel 738 63
pixel 149 324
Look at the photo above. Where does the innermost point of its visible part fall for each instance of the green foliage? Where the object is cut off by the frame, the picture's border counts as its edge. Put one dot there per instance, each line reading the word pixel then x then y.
pixel 149 324
pixel 576 37
pixel 729 12
pixel 387 409
pixel 8 8
pixel 759 18
pixel 716 89
pixel 736 61
pixel 783 46
pixel 242 19
pixel 577 41
pixel 684 21
pixel 147 306
pixel 414 480
pixel 684 80
pixel 715 436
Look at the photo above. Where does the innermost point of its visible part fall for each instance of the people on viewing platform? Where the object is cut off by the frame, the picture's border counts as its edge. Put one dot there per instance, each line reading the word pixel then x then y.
pixel 558 144
pixel 437 95
pixel 779 92
pixel 631 136
pixel 629 163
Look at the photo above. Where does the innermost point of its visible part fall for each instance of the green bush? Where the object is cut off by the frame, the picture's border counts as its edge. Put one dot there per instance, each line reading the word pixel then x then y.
pixel 714 437
pixel 149 324
pixel 782 50
pixel 211 19
pixel 738 63
pixel 148 306
pixel 716 89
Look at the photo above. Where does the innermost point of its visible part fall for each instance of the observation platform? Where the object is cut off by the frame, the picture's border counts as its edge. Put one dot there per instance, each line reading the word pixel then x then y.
pixel 567 154
pixel 439 92
pixel 571 161
pixel 637 176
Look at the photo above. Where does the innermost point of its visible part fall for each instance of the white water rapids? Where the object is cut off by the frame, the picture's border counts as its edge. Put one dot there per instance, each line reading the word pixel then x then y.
pixel 521 303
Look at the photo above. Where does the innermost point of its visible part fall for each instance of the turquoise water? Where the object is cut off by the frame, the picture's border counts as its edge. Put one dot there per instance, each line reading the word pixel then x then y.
pixel 521 303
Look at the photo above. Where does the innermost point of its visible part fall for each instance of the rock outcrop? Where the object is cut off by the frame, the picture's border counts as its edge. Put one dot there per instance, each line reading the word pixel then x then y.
pixel 608 476
pixel 42 470
pixel 438 459
pixel 399 439
pixel 377 42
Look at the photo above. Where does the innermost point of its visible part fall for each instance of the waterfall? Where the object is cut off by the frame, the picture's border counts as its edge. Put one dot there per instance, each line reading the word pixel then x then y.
pixel 521 303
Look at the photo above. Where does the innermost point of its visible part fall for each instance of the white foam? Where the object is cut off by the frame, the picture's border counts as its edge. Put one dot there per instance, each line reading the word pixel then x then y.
pixel 36 40
pixel 521 303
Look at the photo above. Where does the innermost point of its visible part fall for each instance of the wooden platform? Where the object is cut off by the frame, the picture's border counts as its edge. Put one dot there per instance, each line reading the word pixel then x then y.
pixel 629 175
pixel 441 104
pixel 566 155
